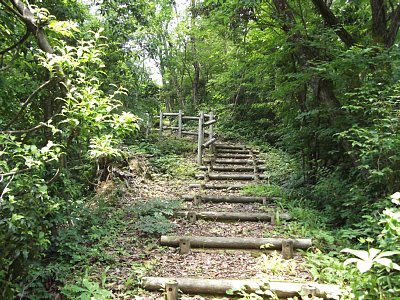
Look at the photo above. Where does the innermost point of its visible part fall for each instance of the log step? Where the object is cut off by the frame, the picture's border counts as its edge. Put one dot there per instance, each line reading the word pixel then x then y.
pixel 230 176
pixel 231 216
pixel 235 161
pixel 233 242
pixel 233 156
pixel 229 146
pixel 217 186
pixel 239 168
pixel 237 151
pixel 219 286
pixel 228 199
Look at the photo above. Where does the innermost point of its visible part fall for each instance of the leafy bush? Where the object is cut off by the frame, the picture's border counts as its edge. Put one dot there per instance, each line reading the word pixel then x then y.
pixel 266 190
pixel 153 216
pixel 173 166
pixel 338 197
pixel 85 289
pixel 378 266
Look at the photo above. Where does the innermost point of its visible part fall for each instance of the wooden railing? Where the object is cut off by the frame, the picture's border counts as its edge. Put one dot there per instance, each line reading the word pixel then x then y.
pixel 204 121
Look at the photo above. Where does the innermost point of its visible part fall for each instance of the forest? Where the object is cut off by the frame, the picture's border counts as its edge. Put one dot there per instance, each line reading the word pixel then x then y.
pixel 315 84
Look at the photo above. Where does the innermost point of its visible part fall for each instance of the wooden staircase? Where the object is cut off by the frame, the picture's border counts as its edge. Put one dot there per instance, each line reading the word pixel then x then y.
pixel 232 167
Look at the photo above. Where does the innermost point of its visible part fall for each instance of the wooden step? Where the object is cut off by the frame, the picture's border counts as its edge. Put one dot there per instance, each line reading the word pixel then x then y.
pixel 229 146
pixel 227 199
pixel 219 286
pixel 217 186
pixel 237 151
pixel 233 242
pixel 231 216
pixel 224 176
pixel 234 161
pixel 232 168
pixel 233 156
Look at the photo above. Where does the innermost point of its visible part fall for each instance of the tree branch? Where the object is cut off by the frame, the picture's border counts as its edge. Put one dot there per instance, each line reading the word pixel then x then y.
pixel 23 170
pixel 12 10
pixel 21 40
pixel 27 101
pixel 29 19
pixel 333 22
pixel 23 130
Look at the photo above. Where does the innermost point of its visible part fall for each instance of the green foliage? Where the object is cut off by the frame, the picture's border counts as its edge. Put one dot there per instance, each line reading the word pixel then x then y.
pixel 73 125
pixel 85 289
pixel 332 191
pixel 153 216
pixel 269 190
pixel 378 267
pixel 174 166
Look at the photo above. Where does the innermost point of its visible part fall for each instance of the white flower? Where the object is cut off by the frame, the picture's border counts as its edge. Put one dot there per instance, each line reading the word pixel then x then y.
pixel 396 198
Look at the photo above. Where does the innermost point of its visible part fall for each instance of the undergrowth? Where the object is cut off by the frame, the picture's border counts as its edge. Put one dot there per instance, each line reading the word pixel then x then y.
pixel 99 235
pixel 169 156
pixel 355 246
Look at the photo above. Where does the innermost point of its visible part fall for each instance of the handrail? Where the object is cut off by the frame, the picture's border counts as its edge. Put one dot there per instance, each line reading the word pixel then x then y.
pixel 201 144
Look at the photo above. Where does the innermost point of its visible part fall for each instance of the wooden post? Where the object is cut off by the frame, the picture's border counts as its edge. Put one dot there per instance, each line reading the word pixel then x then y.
pixel 184 245
pixel 211 131
pixel 200 140
pixel 171 290
pixel 197 200
pixel 273 221
pixel 308 292
pixel 287 249
pixel 180 124
pixel 191 216
pixel 161 121
pixel 264 201
pixel 206 176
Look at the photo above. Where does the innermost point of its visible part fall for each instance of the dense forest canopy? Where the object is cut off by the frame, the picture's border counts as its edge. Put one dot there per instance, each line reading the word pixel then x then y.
pixel 317 78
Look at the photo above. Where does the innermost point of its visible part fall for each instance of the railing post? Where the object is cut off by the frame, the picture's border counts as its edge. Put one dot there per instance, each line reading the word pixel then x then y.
pixel 161 121
pixel 211 132
pixel 180 124
pixel 200 139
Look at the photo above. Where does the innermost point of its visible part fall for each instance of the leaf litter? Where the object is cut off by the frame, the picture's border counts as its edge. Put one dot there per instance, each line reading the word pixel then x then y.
pixel 136 257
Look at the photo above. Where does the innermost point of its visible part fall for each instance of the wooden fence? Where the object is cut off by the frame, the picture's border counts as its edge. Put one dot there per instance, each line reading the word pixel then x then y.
pixel 204 121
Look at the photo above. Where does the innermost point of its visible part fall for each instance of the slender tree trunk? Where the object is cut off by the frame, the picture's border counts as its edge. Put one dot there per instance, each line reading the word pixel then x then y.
pixel 196 65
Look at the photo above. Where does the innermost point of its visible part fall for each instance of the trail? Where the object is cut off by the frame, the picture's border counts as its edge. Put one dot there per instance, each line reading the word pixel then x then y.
pixel 222 240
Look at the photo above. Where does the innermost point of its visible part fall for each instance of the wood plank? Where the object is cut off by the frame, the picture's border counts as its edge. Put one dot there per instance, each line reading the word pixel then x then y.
pixel 235 161
pixel 233 156
pixel 219 286
pixel 233 168
pixel 230 176
pixel 189 132
pixel 217 186
pixel 227 199
pixel 230 146
pixel 232 216
pixel 237 151
pixel 234 242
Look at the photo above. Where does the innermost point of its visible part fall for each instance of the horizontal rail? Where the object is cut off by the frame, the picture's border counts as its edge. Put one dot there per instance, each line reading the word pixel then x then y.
pixel 171 114
pixel 189 133
pixel 208 123
pixel 171 127
pixel 209 142
pixel 190 118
